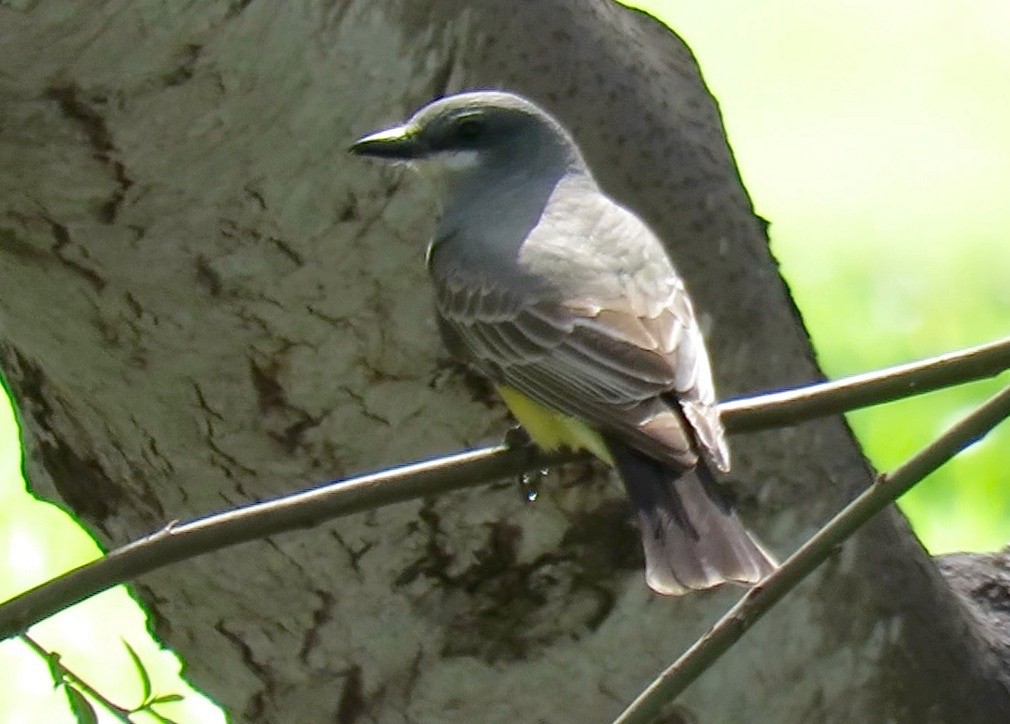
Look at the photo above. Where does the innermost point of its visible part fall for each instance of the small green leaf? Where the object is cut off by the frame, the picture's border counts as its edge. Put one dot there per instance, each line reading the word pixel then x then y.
pixel 160 717
pixel 145 679
pixel 166 699
pixel 55 668
pixel 83 712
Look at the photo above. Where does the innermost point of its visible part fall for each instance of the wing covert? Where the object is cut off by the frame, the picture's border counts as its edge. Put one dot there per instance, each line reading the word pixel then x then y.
pixel 616 344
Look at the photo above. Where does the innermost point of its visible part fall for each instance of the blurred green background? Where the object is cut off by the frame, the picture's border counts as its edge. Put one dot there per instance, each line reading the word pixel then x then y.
pixel 875 136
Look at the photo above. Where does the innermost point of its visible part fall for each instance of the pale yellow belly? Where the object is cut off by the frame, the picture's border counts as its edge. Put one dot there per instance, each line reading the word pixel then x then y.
pixel 550 429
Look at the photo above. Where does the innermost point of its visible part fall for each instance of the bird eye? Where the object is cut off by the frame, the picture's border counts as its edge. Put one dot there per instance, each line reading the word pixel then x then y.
pixel 469 129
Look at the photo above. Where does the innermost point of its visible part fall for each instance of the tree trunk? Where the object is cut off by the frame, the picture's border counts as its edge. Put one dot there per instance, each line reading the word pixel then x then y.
pixel 206 302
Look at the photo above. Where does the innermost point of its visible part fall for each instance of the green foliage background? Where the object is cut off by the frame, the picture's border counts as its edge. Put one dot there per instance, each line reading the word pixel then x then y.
pixel 876 139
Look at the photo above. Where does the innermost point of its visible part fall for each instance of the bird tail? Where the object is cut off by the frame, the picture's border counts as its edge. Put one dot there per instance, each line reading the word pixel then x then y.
pixel 692 537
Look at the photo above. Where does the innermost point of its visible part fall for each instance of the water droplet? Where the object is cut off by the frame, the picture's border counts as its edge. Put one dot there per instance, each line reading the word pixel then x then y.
pixel 530 484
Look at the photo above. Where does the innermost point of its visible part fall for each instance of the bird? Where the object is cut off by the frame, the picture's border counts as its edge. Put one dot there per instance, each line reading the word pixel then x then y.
pixel 570 305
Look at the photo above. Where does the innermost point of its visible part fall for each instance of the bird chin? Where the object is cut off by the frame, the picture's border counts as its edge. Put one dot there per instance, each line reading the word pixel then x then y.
pixel 445 169
pixel 456 161
pixel 445 164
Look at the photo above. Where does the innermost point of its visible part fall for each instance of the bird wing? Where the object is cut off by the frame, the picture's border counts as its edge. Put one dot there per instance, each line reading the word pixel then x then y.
pixel 614 342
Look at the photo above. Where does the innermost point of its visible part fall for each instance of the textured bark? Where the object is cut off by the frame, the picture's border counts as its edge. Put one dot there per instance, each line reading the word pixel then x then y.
pixel 206 302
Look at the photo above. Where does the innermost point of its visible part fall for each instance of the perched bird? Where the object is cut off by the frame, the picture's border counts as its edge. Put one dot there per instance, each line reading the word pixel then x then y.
pixel 570 305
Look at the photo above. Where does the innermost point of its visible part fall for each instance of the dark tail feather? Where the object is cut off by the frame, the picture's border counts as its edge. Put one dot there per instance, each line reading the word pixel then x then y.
pixel 692 538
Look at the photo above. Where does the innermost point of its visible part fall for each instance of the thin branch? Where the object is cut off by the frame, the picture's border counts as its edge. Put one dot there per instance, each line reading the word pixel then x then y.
pixel 118 712
pixel 866 390
pixel 178 542
pixel 758 600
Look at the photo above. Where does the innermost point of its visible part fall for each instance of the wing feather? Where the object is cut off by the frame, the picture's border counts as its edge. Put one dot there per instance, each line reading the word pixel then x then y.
pixel 613 340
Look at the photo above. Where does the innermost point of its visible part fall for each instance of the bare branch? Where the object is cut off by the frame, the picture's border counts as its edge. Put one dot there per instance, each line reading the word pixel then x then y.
pixel 177 542
pixel 759 599
pixel 866 390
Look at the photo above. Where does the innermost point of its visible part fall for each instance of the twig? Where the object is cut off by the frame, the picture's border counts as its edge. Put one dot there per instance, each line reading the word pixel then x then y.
pixel 758 600
pixel 118 712
pixel 177 542
pixel 872 388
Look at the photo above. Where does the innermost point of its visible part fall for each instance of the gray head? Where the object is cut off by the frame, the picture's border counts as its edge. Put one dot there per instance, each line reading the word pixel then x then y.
pixel 485 136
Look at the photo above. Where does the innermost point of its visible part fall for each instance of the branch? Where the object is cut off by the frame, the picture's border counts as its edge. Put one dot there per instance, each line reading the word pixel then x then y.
pixel 445 474
pixel 866 390
pixel 759 599
pixel 60 671
pixel 177 542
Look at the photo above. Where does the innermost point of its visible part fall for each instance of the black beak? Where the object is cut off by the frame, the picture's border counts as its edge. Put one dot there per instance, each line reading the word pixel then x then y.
pixel 399 143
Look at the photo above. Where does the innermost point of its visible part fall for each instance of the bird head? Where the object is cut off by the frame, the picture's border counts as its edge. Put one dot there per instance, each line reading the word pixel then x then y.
pixel 485 134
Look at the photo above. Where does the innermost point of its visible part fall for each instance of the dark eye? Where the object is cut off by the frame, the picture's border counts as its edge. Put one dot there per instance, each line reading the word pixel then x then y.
pixel 469 129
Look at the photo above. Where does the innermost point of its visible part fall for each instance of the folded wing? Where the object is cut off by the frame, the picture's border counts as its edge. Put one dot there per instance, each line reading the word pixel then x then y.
pixel 616 344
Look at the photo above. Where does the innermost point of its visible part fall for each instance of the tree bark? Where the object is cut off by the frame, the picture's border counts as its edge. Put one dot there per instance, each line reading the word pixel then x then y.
pixel 206 302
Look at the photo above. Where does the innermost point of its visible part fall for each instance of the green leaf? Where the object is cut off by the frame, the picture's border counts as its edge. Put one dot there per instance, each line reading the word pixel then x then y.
pixel 166 699
pixel 160 717
pixel 83 712
pixel 55 668
pixel 145 679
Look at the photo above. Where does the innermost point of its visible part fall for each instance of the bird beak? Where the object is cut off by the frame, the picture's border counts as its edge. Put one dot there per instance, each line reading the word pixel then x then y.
pixel 399 143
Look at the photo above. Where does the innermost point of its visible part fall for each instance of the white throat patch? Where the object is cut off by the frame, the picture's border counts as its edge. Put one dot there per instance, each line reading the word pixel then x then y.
pixel 458 160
